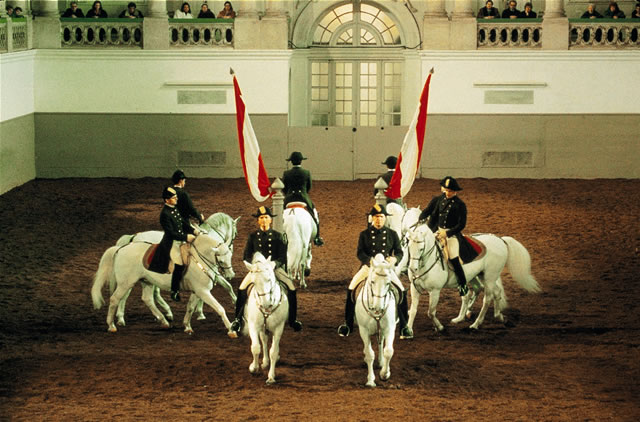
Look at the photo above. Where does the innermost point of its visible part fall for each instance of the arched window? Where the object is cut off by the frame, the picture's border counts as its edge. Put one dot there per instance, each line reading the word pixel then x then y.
pixel 356 24
pixel 357 88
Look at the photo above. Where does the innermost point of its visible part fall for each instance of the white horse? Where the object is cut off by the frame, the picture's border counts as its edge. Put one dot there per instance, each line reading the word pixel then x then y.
pixel 124 267
pixel 376 314
pixel 300 230
pixel 409 220
pixel 266 312
pixel 220 227
pixel 429 272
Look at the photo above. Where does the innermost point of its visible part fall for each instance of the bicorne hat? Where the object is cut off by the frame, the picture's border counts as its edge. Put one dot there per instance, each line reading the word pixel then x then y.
pixel 178 175
pixel 168 192
pixel 296 158
pixel 450 183
pixel 263 211
pixel 378 209
pixel 391 162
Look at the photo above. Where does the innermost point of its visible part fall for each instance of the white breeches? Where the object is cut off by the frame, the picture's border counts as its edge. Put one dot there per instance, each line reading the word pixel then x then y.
pixel 179 252
pixel 363 273
pixel 453 247
pixel 281 275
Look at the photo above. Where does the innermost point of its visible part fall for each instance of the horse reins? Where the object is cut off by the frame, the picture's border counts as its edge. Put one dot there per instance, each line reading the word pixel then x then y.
pixel 424 255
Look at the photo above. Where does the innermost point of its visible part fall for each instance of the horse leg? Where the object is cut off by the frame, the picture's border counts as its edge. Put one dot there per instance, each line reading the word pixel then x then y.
pixel 254 368
pixel 387 352
pixel 464 306
pixel 191 306
pixel 369 357
pixel 225 285
pixel 157 297
pixel 206 296
pixel 120 311
pixel 274 353
pixel 499 301
pixel 264 340
pixel 486 300
pixel 147 298
pixel 434 297
pixel 114 301
pixel 200 310
pixel 415 300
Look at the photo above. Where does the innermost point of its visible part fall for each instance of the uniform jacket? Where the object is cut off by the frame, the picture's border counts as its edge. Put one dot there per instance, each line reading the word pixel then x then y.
pixel 387 178
pixel 175 228
pixel 373 241
pixel 185 206
pixel 297 184
pixel 269 243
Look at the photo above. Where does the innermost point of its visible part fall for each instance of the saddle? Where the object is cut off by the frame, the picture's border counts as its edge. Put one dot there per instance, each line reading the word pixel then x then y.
pixel 394 289
pixel 151 251
pixel 297 204
pixel 471 250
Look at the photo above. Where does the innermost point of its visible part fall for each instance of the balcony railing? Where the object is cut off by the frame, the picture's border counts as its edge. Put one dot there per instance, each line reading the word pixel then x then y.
pixel 91 32
pixel 14 35
pixel 201 32
pixel 506 33
pixel 604 33
pixel 4 45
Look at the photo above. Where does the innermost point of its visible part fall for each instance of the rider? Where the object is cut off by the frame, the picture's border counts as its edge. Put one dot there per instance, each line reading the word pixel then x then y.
pixel 270 244
pixel 447 216
pixel 297 184
pixel 177 231
pixel 390 162
pixel 373 240
pixel 185 206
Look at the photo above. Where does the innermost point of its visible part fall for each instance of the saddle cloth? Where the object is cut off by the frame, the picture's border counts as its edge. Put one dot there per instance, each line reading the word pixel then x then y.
pixel 296 204
pixel 175 257
pixel 394 289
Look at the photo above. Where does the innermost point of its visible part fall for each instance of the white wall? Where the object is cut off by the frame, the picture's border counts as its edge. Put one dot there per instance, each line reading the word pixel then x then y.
pixel 16 84
pixel 68 81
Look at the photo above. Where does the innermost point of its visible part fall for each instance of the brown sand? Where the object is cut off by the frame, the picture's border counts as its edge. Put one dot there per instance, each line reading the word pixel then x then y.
pixel 569 353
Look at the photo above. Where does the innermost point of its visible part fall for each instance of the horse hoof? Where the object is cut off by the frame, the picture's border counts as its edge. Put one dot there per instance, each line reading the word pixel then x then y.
pixel 188 331
pixel 165 325
pixel 201 317
pixel 112 329
pixel 371 384
pixel 169 317
pixel 121 323
pixel 232 334
pixel 385 377
pixel 271 381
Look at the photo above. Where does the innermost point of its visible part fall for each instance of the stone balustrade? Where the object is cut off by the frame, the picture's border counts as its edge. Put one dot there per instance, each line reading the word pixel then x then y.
pixel 101 32
pixel 14 35
pixel 507 33
pixel 201 32
pixel 604 33
pixel 4 44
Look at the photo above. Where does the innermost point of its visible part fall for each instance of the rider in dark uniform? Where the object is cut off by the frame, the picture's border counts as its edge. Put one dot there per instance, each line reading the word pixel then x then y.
pixel 447 217
pixel 297 184
pixel 176 229
pixel 390 162
pixel 270 244
pixel 373 240
pixel 185 206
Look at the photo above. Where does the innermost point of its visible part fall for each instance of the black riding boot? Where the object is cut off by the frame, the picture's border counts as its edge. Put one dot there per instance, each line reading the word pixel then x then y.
pixel 318 241
pixel 176 277
pixel 462 279
pixel 293 311
pixel 403 316
pixel 241 300
pixel 349 312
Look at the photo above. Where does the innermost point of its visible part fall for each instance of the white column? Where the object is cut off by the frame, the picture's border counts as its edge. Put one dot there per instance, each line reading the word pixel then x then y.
pixel 47 8
pixel 274 8
pixel 554 9
pixel 463 27
pixel 435 9
pixel 380 186
pixel 462 9
pixel 3 10
pixel 277 205
pixel 158 9
pixel 247 27
pixel 436 26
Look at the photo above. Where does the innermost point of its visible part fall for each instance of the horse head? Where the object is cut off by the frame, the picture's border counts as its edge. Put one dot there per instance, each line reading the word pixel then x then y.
pixel 420 240
pixel 214 253
pixel 265 288
pixel 378 285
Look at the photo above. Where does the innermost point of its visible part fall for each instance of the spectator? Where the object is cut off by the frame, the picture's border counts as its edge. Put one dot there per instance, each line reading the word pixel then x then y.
pixel 184 12
pixel 9 10
pixel 488 11
pixel 511 12
pixel 591 12
pixel 96 10
pixel 73 11
pixel 636 13
pixel 131 12
pixel 17 12
pixel 528 13
pixel 205 13
pixel 227 11
pixel 614 11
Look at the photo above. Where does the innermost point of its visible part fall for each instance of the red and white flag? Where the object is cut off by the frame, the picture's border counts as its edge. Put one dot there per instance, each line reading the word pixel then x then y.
pixel 411 151
pixel 252 165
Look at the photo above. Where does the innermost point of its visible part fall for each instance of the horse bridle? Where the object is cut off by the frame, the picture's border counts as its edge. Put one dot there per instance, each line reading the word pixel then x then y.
pixel 212 266
pixel 266 312
pixel 426 254
pixel 370 295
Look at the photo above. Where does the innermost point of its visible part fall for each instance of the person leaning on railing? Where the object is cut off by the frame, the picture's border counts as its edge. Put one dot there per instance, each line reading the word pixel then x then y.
pixel 227 11
pixel 591 12
pixel 131 12
pixel 528 13
pixel 184 12
pixel 636 13
pixel 614 12
pixel 205 13
pixel 97 11
pixel 73 11
pixel 511 12
pixel 488 11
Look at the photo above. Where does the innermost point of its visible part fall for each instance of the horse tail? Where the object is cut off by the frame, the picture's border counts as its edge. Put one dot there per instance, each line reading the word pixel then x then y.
pixel 104 274
pixel 519 263
pixel 125 240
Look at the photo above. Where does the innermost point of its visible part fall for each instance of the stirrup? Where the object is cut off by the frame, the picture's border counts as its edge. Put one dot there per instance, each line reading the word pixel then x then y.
pixel 296 325
pixel 175 295
pixel 318 241
pixel 463 289
pixel 236 326
pixel 344 331
pixel 406 333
